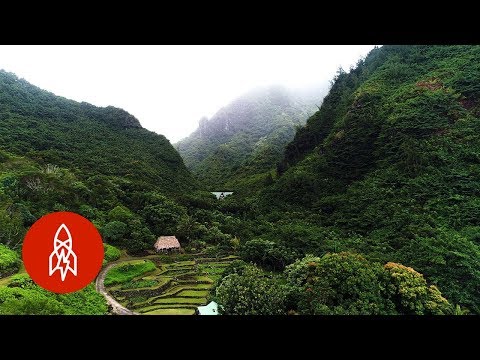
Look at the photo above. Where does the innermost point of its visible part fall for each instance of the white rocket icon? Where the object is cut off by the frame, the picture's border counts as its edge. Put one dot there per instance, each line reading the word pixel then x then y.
pixel 62 257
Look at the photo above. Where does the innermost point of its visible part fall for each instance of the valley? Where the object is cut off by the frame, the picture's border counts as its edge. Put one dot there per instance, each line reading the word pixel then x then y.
pixel 359 200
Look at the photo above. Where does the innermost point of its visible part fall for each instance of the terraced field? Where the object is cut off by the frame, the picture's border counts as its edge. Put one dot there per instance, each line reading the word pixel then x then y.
pixel 175 288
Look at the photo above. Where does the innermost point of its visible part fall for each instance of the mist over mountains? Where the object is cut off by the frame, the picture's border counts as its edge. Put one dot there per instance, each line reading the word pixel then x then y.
pixel 358 199
pixel 244 140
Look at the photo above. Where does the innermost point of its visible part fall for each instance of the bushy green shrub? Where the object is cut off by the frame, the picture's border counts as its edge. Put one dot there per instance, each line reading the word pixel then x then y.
pixel 9 260
pixel 111 253
pixel 250 293
pixel 349 284
pixel 24 297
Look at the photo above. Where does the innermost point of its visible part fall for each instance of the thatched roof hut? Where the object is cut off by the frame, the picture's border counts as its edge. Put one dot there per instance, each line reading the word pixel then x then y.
pixel 167 243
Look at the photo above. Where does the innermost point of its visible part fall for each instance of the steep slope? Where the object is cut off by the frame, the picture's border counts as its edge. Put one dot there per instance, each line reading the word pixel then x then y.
pixel 392 161
pixel 57 154
pixel 87 139
pixel 242 142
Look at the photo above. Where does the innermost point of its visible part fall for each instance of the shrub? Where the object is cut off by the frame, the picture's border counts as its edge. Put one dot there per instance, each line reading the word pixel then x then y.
pixel 9 260
pixel 250 293
pixel 111 253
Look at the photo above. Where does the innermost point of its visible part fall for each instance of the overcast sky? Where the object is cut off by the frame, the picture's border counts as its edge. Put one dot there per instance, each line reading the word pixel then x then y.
pixel 169 88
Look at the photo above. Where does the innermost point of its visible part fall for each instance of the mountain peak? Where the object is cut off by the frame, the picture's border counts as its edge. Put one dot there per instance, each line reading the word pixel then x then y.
pixel 246 136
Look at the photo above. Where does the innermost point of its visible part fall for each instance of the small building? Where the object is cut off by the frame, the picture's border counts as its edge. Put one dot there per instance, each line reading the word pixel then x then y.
pixel 167 244
pixel 221 194
pixel 210 309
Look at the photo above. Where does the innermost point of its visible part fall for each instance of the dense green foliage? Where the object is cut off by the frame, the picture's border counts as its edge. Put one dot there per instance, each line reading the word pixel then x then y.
pixel 385 173
pixel 348 284
pixel 389 167
pixel 126 272
pixel 23 297
pixel 335 284
pixel 250 292
pixel 90 141
pixel 9 260
pixel 239 146
pixel 57 154
pixel 411 295
pixel 268 254
pixel 111 253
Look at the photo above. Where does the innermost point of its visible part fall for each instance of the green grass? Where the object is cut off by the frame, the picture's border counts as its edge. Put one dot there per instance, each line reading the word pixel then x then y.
pixel 181 295
pixel 173 306
pixel 204 278
pixel 178 311
pixel 193 286
pixel 193 293
pixel 6 280
pixel 182 263
pixel 126 272
pixel 175 272
pixel 174 290
pixel 132 284
pixel 218 270
pixel 178 267
pixel 215 278
pixel 168 306
pixel 138 299
pixel 181 300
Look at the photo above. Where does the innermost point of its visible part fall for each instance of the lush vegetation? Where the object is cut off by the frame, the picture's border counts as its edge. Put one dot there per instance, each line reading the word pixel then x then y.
pixel 81 137
pixel 335 284
pixel 250 292
pixel 9 261
pixel 373 209
pixel 111 253
pixel 178 284
pixel 57 154
pixel 23 297
pixel 126 272
pixel 388 168
pixel 240 145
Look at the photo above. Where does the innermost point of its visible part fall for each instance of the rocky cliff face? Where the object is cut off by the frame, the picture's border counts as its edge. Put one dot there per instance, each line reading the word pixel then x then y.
pixel 247 136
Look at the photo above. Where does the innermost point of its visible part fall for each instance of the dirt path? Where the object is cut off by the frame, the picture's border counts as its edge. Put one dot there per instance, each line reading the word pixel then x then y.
pixel 118 309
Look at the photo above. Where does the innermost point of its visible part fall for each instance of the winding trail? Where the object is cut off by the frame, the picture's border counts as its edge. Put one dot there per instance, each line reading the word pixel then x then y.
pixel 117 308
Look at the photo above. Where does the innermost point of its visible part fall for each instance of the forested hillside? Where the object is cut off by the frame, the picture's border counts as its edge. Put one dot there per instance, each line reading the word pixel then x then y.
pixel 389 166
pixel 371 208
pixel 239 146
pixel 60 155
pixel 57 154
pixel 87 139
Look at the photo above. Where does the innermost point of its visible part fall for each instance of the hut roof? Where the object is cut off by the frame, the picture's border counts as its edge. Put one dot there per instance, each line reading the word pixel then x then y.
pixel 167 242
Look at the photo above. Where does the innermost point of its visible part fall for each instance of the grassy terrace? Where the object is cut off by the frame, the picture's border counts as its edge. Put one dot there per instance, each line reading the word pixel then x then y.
pixel 165 286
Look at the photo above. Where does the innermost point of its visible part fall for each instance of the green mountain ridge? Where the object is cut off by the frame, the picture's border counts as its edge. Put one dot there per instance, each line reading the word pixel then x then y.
pixel 57 154
pixel 80 136
pixel 239 146
pixel 391 160
pixel 373 208
pixel 60 155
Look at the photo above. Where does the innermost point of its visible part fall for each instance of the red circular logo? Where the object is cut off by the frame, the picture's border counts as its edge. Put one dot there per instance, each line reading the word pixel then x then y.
pixel 62 252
